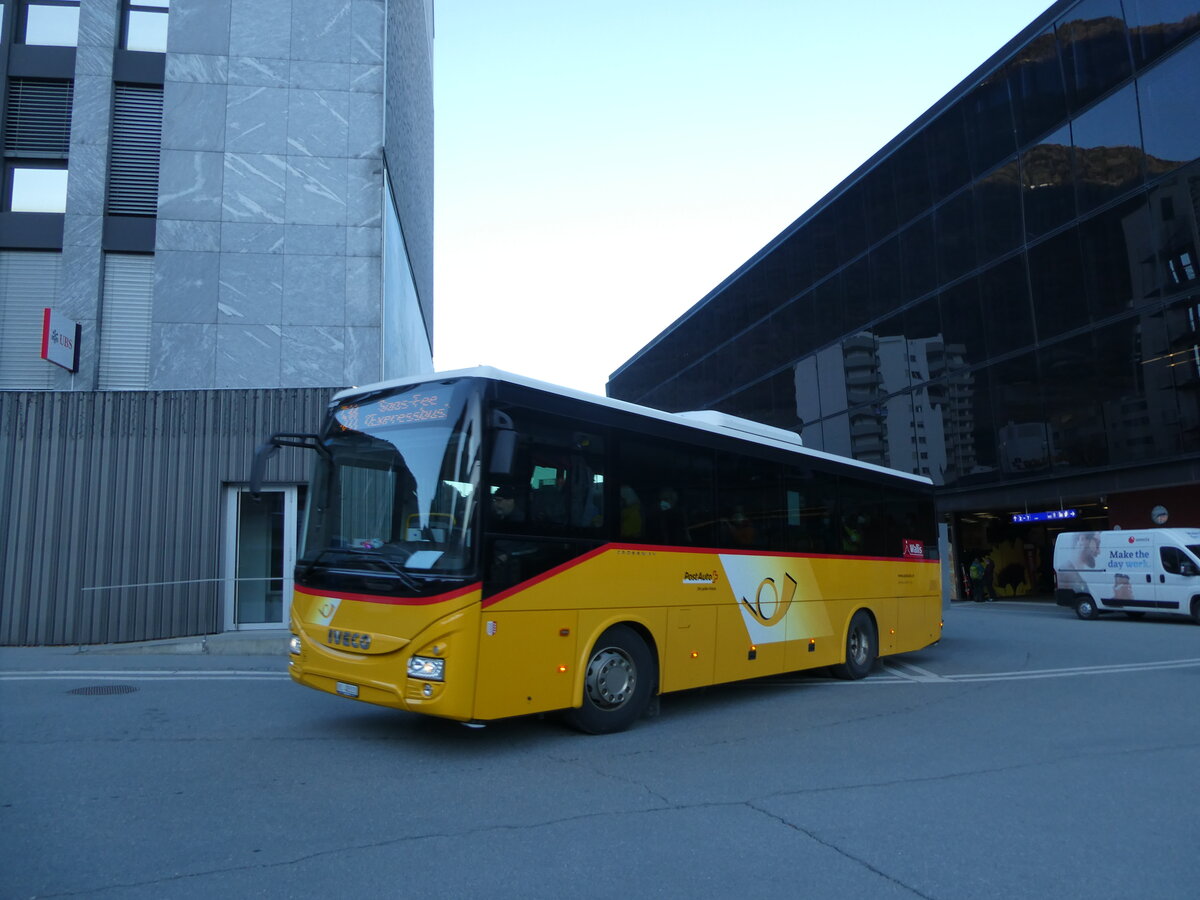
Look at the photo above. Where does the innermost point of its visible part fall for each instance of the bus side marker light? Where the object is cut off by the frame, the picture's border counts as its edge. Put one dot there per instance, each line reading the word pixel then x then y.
pixel 753 654
pixel 562 669
pixel 564 632
pixel 695 654
pixel 812 644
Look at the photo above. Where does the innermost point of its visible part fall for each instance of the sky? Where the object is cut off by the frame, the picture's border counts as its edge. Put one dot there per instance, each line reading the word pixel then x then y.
pixel 601 167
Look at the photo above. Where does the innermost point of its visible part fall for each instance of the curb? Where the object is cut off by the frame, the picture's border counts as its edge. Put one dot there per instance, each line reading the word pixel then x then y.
pixel 234 643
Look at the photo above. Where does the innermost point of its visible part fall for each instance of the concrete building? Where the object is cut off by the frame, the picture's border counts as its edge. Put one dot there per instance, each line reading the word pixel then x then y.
pixel 1003 298
pixel 226 208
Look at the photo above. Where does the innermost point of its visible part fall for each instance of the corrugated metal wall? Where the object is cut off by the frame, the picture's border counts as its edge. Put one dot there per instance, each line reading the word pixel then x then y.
pixel 111 506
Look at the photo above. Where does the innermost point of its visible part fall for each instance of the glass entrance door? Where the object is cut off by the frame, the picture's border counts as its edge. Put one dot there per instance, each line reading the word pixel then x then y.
pixel 260 556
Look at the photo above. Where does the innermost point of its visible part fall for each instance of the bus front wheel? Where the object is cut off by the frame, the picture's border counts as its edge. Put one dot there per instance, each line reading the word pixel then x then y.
pixel 862 647
pixel 617 685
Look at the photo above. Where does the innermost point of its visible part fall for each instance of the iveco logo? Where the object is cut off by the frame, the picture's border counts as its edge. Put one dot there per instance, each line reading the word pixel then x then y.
pixel 348 639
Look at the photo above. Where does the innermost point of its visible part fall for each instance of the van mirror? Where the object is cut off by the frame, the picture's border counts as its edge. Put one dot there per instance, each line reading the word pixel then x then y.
pixel 1187 568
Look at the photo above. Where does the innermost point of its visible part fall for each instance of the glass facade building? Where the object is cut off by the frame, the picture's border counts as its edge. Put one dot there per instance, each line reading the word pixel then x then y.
pixel 1003 298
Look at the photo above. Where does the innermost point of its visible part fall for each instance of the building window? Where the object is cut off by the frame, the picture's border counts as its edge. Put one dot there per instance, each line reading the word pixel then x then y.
pixel 145 25
pixel 50 23
pixel 125 323
pixel 35 186
pixel 1182 267
pixel 136 138
pixel 28 284
pixel 37 135
pixel 38 121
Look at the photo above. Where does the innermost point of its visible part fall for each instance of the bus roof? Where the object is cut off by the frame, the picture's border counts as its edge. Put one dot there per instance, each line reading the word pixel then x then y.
pixel 702 420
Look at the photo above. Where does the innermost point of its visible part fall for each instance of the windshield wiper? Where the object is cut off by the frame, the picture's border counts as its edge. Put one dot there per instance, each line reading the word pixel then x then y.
pixel 375 556
pixel 312 563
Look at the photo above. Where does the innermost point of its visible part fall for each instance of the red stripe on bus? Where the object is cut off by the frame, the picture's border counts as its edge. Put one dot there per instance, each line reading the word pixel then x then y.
pixel 548 574
pixel 750 551
pixel 648 549
pixel 392 601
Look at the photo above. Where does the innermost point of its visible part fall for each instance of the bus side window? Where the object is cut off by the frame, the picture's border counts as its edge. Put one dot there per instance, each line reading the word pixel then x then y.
pixel 673 486
pixel 562 477
pixel 750 503
pixel 809 506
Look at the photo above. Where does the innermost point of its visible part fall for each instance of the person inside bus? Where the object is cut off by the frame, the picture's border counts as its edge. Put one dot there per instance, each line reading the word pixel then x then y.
pixel 670 524
pixel 736 528
pixel 505 508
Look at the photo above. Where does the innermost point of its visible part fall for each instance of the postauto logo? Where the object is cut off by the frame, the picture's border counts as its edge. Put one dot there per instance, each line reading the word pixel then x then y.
pixel 701 577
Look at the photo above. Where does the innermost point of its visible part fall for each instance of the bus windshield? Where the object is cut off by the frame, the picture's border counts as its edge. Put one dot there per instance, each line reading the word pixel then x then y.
pixel 393 496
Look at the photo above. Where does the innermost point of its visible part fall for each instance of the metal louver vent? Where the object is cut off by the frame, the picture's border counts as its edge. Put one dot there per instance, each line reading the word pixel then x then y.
pixel 137 136
pixel 39 117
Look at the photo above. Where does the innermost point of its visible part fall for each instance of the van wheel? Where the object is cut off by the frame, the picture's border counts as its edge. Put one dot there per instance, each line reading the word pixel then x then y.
pixel 1085 607
pixel 861 648
pixel 617 685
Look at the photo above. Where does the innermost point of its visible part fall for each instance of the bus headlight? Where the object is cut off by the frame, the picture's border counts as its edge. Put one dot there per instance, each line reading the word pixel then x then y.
pixel 294 645
pixel 427 668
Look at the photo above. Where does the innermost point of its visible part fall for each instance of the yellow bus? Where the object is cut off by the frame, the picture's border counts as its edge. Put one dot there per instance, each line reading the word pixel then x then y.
pixel 479 545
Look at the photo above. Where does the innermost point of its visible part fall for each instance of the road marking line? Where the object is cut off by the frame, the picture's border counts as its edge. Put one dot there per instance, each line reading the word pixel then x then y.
pixel 909 672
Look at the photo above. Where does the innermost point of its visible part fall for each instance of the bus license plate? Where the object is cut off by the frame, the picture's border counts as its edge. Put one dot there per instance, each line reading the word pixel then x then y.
pixel 347 690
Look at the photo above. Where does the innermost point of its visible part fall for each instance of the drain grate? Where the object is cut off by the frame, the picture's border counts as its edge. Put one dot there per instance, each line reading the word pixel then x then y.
pixel 96 690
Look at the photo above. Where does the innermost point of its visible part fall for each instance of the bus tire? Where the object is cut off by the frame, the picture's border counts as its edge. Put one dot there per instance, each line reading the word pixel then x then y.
pixel 862 646
pixel 1085 607
pixel 617 685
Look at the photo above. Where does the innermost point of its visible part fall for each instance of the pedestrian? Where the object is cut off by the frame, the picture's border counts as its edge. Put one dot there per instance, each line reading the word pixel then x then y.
pixel 989 577
pixel 976 571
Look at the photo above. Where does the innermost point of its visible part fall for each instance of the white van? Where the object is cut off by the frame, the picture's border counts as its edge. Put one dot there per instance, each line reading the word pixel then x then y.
pixel 1134 572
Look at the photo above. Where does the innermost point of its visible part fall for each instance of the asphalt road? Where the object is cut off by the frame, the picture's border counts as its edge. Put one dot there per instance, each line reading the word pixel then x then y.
pixel 1029 754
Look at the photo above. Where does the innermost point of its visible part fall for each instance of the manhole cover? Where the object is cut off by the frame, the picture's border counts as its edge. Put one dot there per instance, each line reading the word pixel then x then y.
pixel 95 690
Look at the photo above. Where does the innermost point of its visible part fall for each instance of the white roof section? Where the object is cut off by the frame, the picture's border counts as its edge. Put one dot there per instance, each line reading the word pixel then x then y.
pixel 702 420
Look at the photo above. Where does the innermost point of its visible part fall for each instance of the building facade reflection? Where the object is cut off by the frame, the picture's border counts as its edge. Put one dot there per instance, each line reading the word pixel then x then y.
pixel 1004 298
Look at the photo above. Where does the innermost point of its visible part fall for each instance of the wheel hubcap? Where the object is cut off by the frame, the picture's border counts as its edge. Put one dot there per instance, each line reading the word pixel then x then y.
pixel 859 646
pixel 611 678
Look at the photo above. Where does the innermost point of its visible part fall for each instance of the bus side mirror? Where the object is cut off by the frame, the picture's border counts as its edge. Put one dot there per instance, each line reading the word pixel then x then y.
pixel 258 467
pixel 504 451
pixel 504 444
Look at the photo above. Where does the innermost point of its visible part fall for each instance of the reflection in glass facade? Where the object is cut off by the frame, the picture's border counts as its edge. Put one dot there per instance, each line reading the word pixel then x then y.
pixel 1005 298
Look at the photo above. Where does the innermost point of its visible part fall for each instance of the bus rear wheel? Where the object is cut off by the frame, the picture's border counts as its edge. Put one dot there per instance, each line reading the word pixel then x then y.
pixel 862 646
pixel 617 685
